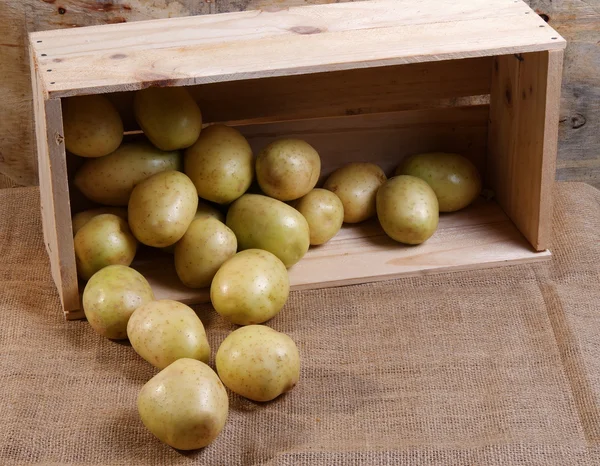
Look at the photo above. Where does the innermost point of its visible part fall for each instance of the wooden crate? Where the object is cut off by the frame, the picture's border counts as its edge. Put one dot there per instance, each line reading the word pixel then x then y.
pixel 366 81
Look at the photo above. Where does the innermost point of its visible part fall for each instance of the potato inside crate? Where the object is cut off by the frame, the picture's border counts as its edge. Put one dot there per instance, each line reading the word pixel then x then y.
pixel 371 81
pixel 377 115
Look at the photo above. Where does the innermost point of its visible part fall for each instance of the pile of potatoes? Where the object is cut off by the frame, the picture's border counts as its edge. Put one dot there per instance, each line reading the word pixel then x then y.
pixel 234 223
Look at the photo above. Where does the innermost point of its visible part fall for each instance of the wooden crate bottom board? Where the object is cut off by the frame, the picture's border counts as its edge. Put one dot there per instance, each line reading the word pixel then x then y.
pixel 479 236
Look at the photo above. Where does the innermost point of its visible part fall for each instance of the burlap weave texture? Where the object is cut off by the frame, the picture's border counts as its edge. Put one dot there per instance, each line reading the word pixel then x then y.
pixel 498 366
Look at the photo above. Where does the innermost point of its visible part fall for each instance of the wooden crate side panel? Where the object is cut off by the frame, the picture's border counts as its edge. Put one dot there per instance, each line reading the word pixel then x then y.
pixel 371 90
pixel 294 41
pixel 523 139
pixel 340 93
pixel 383 138
pixel 54 194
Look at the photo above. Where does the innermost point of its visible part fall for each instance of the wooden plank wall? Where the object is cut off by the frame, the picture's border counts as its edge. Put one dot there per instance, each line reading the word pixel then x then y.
pixel 577 20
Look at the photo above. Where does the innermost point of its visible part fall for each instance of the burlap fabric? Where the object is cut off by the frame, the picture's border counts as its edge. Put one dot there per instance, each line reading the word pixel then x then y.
pixel 493 367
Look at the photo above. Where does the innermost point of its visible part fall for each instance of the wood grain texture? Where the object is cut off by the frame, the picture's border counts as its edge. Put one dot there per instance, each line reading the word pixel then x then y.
pixel 298 40
pixel 477 237
pixel 54 196
pixel 579 145
pixel 383 138
pixel 522 139
pixel 577 21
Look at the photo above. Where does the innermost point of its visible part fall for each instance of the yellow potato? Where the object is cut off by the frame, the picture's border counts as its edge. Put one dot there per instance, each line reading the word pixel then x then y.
pixel 184 405
pixel 169 116
pixel 258 362
pixel 92 126
pixel 164 331
pixel 261 222
pixel 161 208
pixel 454 179
pixel 111 296
pixel 250 288
pixel 407 209
pixel 288 169
pixel 356 185
pixel 220 164
pixel 204 210
pixel 109 180
pixel 104 240
pixel 324 213
pixel 204 247
pixel 81 218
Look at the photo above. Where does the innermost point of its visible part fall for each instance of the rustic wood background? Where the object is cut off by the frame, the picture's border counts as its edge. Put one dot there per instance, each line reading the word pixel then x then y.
pixel 577 20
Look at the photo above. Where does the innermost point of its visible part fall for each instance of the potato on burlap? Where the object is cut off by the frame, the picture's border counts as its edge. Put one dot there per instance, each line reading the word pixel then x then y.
pixel 164 331
pixel 258 362
pixel 185 405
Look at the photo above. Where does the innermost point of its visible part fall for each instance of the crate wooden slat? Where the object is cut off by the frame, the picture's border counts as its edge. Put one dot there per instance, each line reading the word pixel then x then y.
pixel 300 40
pixel 362 81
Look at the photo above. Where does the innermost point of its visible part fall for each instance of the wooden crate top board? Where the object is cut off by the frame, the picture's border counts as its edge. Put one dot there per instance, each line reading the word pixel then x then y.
pixel 291 41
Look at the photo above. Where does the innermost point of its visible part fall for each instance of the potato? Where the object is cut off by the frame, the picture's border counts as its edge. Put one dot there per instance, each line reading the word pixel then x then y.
pixel 111 296
pixel 161 208
pixel 184 405
pixel 109 180
pixel 261 222
pixel 169 116
pixel 204 247
pixel 104 240
pixel 204 210
pixel 250 288
pixel 220 164
pixel 164 331
pixel 356 185
pixel 324 213
pixel 81 218
pixel 407 209
pixel 92 126
pixel 454 179
pixel 288 169
pixel 258 362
